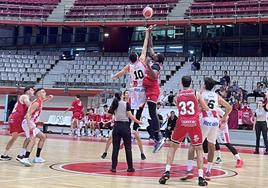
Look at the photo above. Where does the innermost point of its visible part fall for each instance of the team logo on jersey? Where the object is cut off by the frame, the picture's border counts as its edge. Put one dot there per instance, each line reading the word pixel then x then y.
pixel 210 123
pixel 196 138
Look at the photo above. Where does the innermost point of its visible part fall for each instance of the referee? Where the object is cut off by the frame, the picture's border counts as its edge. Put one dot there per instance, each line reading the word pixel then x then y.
pixel 122 112
pixel 260 126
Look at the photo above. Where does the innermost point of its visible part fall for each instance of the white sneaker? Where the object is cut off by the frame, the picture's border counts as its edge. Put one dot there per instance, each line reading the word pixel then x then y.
pixel 39 160
pixel 26 162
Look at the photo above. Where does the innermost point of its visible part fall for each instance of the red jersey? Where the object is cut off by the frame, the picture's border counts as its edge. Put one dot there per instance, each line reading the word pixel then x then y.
pixel 150 83
pixel 188 108
pixel 92 117
pixel 36 114
pixel 77 106
pixel 107 117
pixel 19 110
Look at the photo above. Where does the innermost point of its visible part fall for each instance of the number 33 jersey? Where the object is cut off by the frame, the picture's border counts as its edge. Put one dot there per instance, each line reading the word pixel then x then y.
pixel 188 108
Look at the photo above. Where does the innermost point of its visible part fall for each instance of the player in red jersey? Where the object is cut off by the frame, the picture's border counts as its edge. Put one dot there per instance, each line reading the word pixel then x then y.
pixel 30 128
pixel 106 120
pixel 152 90
pixel 15 120
pixel 187 124
pixel 93 121
pixel 77 108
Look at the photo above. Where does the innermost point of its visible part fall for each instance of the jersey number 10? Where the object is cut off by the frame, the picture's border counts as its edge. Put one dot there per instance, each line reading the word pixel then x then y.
pixel 138 74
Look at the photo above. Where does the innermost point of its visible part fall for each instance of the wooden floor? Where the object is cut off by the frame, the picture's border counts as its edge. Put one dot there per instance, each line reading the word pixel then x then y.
pixel 66 150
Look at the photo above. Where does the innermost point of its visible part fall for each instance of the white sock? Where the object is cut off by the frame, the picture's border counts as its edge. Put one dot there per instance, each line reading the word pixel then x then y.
pixel 200 173
pixel 237 156
pixel 189 165
pixel 209 167
pixel 168 167
pixel 206 155
pixel 5 152
pixel 22 152
pixel 218 153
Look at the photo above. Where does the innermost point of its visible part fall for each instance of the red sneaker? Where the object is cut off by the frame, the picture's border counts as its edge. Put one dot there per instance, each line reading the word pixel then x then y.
pixel 239 163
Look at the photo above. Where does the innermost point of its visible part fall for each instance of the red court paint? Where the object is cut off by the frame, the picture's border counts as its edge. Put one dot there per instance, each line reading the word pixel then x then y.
pixel 142 169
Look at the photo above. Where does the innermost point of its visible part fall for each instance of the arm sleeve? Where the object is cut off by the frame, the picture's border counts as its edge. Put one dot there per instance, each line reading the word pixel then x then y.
pixel 128 107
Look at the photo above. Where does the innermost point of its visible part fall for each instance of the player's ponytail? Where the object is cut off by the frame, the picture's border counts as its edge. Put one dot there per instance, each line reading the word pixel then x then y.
pixel 115 103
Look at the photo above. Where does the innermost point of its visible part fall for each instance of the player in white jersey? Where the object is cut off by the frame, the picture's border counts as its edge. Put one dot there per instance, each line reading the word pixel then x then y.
pixel 224 138
pixel 210 120
pixel 30 128
pixel 136 69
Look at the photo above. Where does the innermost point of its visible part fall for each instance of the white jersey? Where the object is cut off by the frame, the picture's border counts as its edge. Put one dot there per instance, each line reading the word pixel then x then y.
pixel 223 133
pixel 137 73
pixel 210 120
pixel 136 90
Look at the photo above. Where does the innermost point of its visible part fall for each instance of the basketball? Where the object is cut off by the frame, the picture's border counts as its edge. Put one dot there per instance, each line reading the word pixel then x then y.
pixel 147 12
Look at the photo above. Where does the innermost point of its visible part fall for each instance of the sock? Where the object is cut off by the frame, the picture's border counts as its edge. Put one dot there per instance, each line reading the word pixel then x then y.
pixel 237 156
pixel 200 173
pixel 209 167
pixel 168 167
pixel 218 153
pixel 5 152
pixel 38 152
pixel 27 154
pixel 189 165
pixel 206 155
pixel 22 152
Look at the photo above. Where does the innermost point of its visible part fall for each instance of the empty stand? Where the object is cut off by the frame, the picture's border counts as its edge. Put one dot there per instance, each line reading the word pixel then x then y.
pixel 227 8
pixel 247 71
pixel 24 68
pixel 27 9
pixel 99 9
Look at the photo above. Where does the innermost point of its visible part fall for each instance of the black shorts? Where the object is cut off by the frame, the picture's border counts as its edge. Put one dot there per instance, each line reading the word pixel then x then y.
pixel 106 126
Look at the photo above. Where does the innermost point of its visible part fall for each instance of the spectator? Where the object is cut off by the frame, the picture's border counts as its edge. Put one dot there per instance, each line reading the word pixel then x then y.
pixel 195 66
pixel 171 123
pixel 258 91
pixel 247 117
pixel 225 80
pixel 265 82
pixel 214 49
pixel 171 99
pixel 235 87
pixel 163 98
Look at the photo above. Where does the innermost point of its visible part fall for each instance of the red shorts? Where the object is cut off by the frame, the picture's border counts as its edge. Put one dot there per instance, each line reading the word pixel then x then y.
pixel 180 132
pixel 14 123
pixel 152 94
pixel 77 115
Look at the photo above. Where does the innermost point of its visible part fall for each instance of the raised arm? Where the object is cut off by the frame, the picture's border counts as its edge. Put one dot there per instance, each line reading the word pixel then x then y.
pixel 145 46
pixel 26 100
pixel 120 73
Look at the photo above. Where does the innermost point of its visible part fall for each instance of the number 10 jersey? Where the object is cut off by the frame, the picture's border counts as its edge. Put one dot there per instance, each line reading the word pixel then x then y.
pixel 136 90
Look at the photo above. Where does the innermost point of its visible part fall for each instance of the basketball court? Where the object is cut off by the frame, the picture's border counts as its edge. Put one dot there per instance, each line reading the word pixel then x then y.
pixel 75 162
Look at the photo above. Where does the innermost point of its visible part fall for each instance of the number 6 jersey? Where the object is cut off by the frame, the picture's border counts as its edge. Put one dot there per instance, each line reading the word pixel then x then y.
pixel 188 107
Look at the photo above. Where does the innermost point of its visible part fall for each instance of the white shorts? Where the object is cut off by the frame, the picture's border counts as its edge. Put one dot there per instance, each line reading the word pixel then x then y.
pixel 137 97
pixel 210 128
pixel 223 135
pixel 35 131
